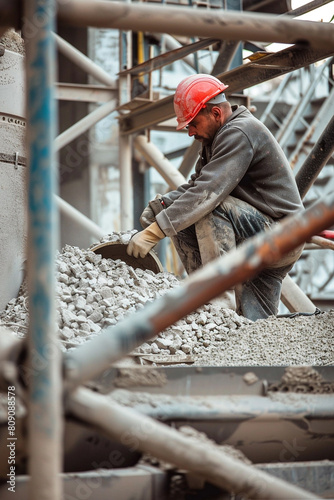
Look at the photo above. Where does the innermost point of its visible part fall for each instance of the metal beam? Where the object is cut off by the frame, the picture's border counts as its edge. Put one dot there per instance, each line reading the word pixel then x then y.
pixel 84 93
pixel 186 21
pixel 316 160
pixel 169 57
pixel 168 42
pixel 238 79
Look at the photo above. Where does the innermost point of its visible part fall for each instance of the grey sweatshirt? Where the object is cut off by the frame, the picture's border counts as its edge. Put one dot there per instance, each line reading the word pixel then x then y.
pixel 244 161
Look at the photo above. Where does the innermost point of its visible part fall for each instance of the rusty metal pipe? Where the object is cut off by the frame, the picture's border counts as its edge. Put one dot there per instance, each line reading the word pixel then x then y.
pixel 161 441
pixel 185 21
pixel 316 160
pixel 90 359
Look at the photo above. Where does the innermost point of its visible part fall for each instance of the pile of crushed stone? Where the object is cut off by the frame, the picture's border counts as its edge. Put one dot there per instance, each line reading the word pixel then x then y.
pixel 94 293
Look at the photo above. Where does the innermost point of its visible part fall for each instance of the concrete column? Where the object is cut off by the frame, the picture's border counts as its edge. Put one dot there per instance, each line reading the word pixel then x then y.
pixel 13 224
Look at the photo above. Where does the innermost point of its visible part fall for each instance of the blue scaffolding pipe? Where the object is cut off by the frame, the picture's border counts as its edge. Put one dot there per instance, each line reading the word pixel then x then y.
pixel 44 423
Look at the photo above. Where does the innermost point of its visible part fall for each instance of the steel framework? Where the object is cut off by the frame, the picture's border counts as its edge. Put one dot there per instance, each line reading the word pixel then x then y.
pixel 312 42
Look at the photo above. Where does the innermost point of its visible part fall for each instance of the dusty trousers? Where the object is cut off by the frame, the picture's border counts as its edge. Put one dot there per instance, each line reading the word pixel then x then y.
pixel 229 225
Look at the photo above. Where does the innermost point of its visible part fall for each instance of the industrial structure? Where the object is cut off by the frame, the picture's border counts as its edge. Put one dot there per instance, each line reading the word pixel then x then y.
pixel 84 108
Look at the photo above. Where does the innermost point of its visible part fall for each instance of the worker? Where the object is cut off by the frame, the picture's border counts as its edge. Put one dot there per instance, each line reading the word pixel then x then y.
pixel 242 185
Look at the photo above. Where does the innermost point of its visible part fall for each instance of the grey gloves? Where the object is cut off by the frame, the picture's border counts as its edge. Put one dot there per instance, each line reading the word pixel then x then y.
pixel 153 208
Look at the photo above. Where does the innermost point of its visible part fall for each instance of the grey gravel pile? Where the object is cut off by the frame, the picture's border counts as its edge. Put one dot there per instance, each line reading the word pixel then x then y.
pixel 94 293
pixel 303 340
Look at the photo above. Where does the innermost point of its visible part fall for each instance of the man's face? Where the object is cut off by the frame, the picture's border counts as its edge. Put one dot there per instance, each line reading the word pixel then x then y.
pixel 203 127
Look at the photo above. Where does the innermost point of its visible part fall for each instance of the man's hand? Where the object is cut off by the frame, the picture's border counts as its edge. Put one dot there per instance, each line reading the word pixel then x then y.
pixel 141 243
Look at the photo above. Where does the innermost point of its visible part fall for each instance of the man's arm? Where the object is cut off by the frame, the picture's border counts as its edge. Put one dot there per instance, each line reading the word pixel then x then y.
pixel 231 156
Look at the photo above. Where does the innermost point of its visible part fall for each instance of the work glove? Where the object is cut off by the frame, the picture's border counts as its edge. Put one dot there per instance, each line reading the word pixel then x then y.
pixel 147 217
pixel 141 243
pixel 153 208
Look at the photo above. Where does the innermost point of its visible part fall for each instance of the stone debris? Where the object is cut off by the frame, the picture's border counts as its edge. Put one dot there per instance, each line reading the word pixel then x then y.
pixel 302 379
pixel 94 293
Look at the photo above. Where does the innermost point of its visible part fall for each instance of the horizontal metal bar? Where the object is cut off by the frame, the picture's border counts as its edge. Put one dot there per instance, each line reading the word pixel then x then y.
pixel 90 359
pixel 84 93
pixel 186 21
pixel 297 406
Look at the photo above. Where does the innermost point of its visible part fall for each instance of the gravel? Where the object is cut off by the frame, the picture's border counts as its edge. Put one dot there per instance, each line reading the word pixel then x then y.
pixel 94 293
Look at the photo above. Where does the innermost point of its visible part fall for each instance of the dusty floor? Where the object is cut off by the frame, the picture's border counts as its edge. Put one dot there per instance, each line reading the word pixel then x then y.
pixel 95 293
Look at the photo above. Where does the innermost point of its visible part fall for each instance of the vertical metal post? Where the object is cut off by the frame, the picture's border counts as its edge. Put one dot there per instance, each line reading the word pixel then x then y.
pixel 44 423
pixel 125 141
pixel 125 160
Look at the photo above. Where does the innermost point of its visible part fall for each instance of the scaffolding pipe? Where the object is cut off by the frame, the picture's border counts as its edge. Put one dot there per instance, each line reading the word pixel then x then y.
pixel 183 21
pixel 84 62
pixel 126 182
pixel 79 218
pixel 316 160
pixel 227 52
pixel 172 44
pixel 206 460
pixel 322 242
pixel 155 158
pixel 239 265
pixel 84 124
pixel 45 411
pixel 294 298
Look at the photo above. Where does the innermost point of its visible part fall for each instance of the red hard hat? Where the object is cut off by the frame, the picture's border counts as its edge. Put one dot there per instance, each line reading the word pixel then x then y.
pixel 191 95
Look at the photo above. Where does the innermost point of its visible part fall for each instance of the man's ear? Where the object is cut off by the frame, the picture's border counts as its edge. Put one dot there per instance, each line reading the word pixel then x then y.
pixel 217 112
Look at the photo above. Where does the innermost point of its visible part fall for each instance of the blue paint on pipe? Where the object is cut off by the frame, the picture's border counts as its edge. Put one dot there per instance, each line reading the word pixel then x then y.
pixel 42 126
